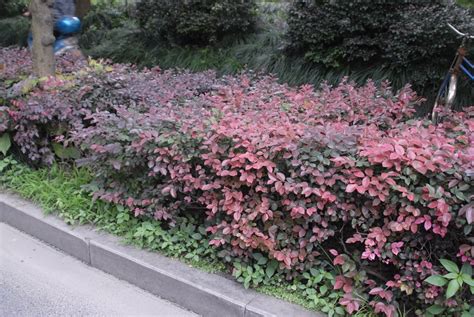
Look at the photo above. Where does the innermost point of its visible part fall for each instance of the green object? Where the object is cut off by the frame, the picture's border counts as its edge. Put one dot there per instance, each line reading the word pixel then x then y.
pixel 450 266
pixel 453 287
pixel 5 143
pixel 66 152
pixel 435 309
pixel 436 280
pixel 183 22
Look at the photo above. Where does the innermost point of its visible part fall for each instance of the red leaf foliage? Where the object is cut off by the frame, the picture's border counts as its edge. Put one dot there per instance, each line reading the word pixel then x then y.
pixel 277 170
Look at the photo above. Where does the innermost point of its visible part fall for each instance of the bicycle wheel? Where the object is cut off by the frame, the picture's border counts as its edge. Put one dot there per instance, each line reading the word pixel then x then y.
pixel 439 101
pixel 452 88
pixel 446 95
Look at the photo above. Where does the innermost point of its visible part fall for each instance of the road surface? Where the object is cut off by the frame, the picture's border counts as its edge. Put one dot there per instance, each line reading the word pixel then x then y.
pixel 38 280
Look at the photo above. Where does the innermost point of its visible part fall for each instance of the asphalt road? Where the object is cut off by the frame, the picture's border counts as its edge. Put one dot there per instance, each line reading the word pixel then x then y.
pixel 38 280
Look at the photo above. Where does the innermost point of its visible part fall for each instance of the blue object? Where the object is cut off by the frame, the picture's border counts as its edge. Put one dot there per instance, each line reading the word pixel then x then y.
pixel 67 25
pixel 30 40
pixel 471 65
pixel 465 70
pixel 60 44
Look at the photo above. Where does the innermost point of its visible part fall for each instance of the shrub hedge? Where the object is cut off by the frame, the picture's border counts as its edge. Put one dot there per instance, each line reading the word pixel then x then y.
pixel 191 22
pixel 342 179
pixel 14 31
pixel 395 33
pixel 113 32
pixel 11 8
pixel 410 35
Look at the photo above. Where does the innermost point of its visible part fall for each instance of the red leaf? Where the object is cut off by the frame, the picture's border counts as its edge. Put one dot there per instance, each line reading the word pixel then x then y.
pixel 359 174
pixel 427 224
pixel 350 188
pixel 419 167
pixel 400 150
pixel 366 182
pixel 470 215
pixel 339 283
pixel 236 216
pixel 375 291
pixel 173 192
pixel 339 260
pixel 281 176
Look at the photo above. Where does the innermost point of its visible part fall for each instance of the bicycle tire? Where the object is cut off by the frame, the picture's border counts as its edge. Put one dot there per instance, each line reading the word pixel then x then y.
pixel 452 89
pixel 446 95
pixel 439 98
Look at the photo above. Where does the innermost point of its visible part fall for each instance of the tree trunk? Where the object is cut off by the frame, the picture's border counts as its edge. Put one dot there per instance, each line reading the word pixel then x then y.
pixel 43 37
pixel 82 7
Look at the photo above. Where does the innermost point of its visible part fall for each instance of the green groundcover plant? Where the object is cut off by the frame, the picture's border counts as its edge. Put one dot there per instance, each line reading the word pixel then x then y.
pixel 61 190
pixel 302 183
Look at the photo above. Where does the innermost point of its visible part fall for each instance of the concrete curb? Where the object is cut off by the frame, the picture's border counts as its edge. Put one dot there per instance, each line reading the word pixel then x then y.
pixel 201 292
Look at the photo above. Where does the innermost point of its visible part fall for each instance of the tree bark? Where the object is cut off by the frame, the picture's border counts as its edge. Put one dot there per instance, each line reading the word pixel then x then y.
pixel 43 37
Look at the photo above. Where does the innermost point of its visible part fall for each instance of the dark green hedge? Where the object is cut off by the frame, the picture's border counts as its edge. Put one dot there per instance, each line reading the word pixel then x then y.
pixel 14 31
pixel 10 8
pixel 405 35
pixel 396 33
pixel 193 22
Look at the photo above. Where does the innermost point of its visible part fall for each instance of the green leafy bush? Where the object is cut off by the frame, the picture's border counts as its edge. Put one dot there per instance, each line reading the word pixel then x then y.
pixel 400 35
pixel 14 31
pixel 395 33
pixel 10 8
pixel 184 22
pixel 343 179
pixel 457 281
pixel 103 22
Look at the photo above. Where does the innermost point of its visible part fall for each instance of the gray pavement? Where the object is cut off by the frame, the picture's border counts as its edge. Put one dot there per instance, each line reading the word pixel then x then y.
pixel 37 280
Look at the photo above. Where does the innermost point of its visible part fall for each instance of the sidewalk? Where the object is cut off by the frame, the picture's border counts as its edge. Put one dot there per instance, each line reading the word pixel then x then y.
pixel 37 280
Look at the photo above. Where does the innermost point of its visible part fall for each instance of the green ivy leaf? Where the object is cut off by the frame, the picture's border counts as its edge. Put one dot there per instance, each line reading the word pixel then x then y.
pixel 436 280
pixel 468 280
pixel 449 265
pixel 323 289
pixel 314 272
pixel 435 309
pixel 467 230
pixel 325 309
pixel 271 268
pixel 66 152
pixel 262 261
pixel 431 190
pixel 453 287
pixel 5 143
pixel 466 269
pixel 196 236
pixel 451 276
pixel 340 311
pixel 247 281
